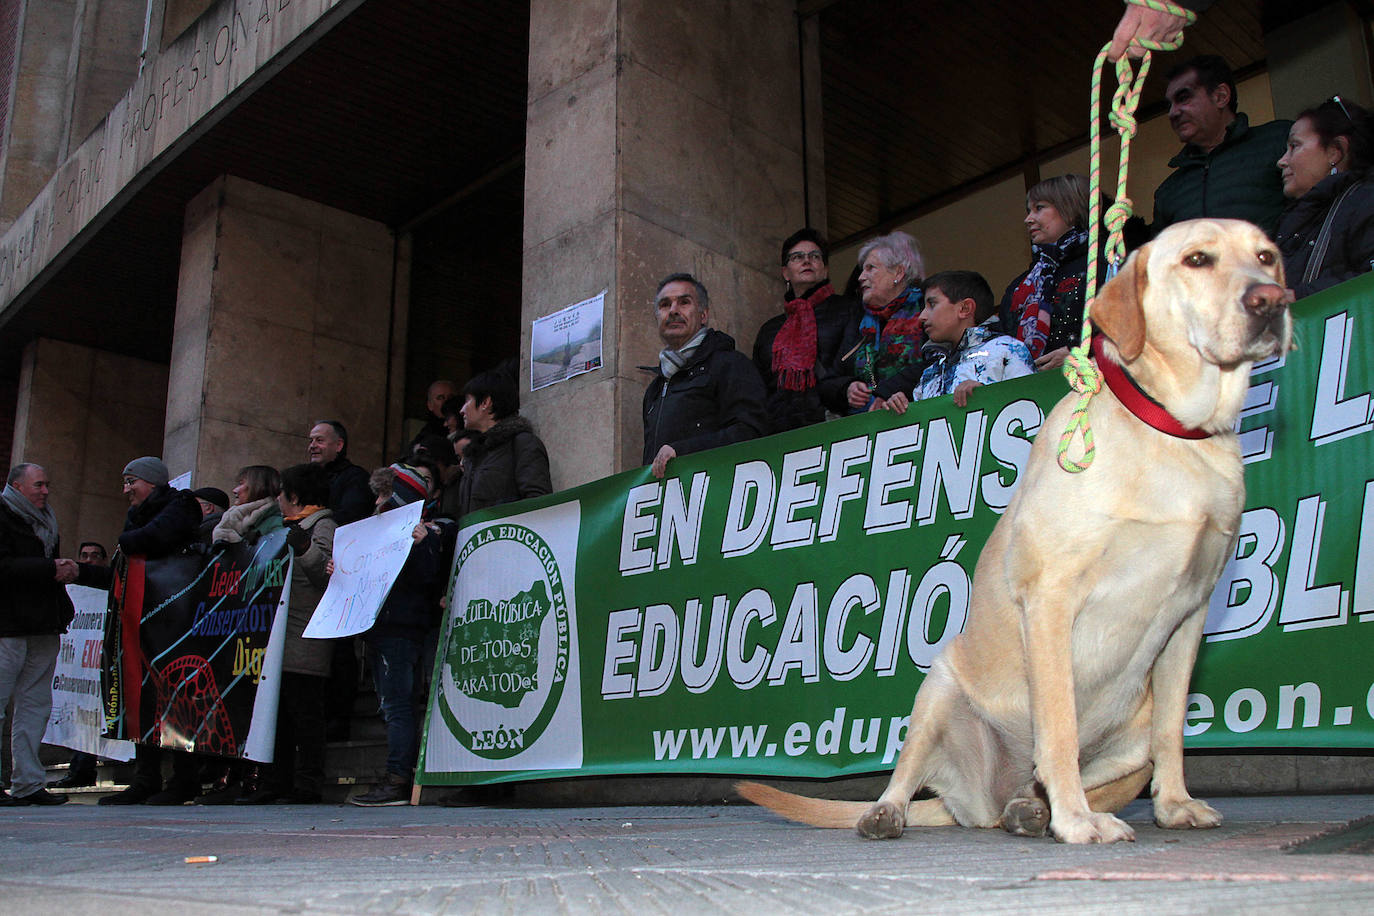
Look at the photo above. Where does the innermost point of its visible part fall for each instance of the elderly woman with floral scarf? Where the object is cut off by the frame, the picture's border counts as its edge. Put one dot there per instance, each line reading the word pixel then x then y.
pixel 1043 308
pixel 886 342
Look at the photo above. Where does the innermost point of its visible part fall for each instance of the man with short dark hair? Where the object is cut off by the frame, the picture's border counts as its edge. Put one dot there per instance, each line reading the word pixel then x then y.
pixel 350 498
pixel 705 393
pixel 92 552
pixel 1226 168
pixel 81 769
pixel 798 353
pixel 34 612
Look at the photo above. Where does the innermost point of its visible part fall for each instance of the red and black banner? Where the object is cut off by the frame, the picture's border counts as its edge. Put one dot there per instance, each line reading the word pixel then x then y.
pixel 193 649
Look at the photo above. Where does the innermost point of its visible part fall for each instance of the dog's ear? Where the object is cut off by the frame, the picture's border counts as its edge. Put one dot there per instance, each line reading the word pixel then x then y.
pixel 1119 309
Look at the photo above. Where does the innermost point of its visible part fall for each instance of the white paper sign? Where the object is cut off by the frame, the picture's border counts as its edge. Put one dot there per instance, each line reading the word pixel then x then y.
pixel 566 343
pixel 368 555
pixel 78 716
pixel 261 742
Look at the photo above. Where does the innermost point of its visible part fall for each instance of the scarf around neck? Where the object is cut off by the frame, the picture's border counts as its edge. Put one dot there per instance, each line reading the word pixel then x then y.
pixel 890 337
pixel 1033 298
pixel 43 522
pixel 794 346
pixel 669 361
pixel 306 512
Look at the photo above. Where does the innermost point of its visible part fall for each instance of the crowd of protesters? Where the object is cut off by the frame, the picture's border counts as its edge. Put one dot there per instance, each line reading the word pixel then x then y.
pixel 894 335
pixel 495 458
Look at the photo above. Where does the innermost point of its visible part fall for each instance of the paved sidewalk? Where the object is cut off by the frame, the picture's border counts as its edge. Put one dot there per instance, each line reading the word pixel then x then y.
pixel 81 859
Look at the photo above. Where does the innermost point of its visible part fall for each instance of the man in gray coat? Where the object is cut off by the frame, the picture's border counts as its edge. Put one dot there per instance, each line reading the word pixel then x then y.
pixel 34 612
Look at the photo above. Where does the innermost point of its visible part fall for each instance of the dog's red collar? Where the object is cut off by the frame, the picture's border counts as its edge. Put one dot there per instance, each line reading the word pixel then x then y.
pixel 1146 409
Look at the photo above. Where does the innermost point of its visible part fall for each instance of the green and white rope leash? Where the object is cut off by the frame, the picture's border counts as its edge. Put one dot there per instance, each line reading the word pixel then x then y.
pixel 1082 375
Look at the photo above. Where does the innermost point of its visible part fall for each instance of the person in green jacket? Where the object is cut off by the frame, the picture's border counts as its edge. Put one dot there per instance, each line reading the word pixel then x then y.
pixel 1226 167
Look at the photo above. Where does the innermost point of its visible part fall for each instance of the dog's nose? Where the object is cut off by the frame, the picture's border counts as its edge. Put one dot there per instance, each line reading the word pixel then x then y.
pixel 1264 298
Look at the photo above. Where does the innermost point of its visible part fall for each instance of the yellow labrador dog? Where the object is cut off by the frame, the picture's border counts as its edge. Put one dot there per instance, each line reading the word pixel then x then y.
pixel 1067 690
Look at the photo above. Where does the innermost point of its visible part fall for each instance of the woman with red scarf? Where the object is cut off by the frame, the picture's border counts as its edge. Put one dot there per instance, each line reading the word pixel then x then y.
pixel 885 344
pixel 1043 308
pixel 797 352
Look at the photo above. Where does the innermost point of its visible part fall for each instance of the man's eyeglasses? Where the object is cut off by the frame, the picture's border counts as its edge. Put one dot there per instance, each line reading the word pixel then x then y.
pixel 797 257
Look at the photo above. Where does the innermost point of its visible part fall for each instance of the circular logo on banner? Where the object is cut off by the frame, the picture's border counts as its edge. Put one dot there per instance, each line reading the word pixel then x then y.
pixel 506 660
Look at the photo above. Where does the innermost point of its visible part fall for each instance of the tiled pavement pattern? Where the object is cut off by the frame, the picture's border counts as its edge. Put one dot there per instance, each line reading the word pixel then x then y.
pixel 82 859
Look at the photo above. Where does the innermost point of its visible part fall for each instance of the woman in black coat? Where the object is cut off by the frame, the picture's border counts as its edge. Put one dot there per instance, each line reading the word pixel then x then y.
pixel 1326 235
pixel 798 352
pixel 1043 307
pixel 505 461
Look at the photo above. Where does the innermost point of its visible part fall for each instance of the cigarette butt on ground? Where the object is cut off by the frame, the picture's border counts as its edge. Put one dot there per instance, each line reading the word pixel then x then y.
pixel 201 860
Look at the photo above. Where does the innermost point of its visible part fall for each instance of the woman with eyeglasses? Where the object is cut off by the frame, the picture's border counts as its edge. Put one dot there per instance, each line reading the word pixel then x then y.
pixel 1326 235
pixel 797 352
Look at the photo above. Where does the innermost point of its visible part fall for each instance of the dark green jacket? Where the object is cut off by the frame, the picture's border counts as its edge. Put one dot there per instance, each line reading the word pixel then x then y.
pixel 1237 180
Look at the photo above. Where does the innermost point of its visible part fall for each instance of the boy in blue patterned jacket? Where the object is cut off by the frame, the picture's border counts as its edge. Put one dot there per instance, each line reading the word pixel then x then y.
pixel 959 316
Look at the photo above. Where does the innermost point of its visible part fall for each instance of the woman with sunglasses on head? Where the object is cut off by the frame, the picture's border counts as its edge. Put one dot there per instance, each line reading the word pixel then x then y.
pixel 1327 233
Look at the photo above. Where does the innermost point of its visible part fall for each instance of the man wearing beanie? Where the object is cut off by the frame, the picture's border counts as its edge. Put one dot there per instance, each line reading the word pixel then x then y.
pixel 34 611
pixel 395 641
pixel 161 522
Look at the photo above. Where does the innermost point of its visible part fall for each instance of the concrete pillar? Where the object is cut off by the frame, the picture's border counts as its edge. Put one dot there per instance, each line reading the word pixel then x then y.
pixel 83 414
pixel 659 138
pixel 1324 53
pixel 284 317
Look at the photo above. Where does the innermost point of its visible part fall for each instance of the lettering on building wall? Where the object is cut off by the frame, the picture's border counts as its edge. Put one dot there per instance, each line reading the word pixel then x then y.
pixel 188 80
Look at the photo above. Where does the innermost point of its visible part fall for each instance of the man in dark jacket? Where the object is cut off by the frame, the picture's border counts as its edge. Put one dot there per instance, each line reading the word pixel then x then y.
pixel 1227 166
pixel 213 502
pixel 798 352
pixel 34 612
pixel 705 393
pixel 350 498
pixel 161 522
pixel 437 395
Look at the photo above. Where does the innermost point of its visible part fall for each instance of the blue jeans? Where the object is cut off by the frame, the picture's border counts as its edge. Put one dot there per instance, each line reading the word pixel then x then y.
pixel 395 662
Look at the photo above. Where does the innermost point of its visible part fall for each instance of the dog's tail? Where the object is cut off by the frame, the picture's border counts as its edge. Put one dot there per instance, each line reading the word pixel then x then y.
pixel 818 812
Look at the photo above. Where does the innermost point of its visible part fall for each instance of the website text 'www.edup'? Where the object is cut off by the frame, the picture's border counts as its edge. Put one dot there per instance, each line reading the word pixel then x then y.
pixel 864 736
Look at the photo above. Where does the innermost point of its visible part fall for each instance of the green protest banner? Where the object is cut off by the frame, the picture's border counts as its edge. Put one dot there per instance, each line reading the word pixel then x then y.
pixel 770 608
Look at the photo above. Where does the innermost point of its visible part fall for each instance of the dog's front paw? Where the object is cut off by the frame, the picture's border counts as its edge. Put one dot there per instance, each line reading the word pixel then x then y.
pixel 884 821
pixel 1092 827
pixel 1190 812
